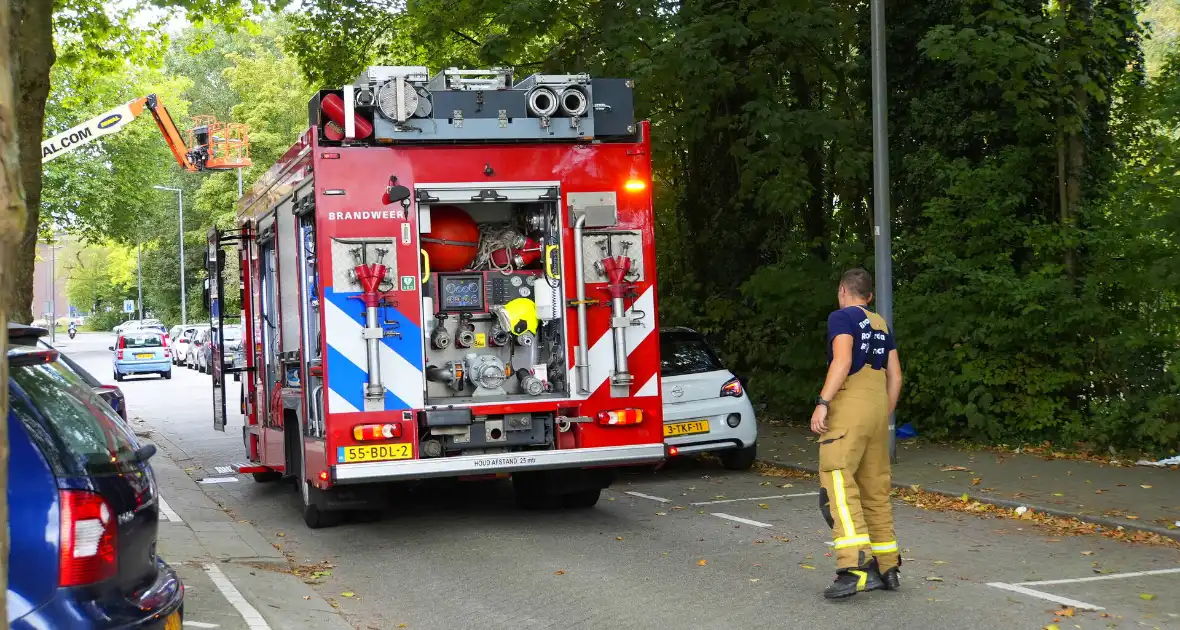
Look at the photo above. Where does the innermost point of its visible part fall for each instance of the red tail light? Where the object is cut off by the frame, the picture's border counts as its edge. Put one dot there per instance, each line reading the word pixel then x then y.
pixel 619 417
pixel 362 432
pixel 88 540
pixel 167 354
pixel 732 388
pixel 120 355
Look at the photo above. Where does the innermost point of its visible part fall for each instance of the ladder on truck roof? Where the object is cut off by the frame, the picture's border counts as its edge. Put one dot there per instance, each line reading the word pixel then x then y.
pixel 404 105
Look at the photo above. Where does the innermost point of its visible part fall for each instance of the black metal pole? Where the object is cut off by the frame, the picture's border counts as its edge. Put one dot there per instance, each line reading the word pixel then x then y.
pixel 883 255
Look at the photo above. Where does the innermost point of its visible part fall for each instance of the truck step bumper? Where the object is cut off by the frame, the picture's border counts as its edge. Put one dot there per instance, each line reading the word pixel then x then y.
pixel 498 463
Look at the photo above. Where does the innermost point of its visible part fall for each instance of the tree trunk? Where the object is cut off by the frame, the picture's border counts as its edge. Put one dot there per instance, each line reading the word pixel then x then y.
pixel 31 39
pixel 12 224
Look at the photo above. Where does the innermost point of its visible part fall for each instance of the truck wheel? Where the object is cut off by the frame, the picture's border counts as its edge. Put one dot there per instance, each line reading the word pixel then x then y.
pixel 311 498
pixel 582 499
pixel 314 516
pixel 739 458
pixel 531 493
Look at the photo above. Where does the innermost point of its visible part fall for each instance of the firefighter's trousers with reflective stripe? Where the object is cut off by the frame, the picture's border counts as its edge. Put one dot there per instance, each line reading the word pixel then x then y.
pixel 855 472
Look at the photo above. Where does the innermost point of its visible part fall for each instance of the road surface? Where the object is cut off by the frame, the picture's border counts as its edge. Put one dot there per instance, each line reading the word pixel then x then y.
pixel 691 546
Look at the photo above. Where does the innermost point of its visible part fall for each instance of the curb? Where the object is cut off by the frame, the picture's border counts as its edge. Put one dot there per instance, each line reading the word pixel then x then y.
pixel 1103 521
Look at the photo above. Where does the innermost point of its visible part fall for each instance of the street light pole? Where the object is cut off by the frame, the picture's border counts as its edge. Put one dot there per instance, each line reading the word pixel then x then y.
pixel 139 272
pixel 52 293
pixel 183 302
pixel 883 255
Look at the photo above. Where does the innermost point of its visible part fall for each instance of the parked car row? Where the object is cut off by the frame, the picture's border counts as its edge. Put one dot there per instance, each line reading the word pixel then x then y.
pixel 136 324
pixel 83 520
pixel 193 345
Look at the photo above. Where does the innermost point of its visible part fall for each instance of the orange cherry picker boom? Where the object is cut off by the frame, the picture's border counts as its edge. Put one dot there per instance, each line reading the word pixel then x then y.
pixel 215 146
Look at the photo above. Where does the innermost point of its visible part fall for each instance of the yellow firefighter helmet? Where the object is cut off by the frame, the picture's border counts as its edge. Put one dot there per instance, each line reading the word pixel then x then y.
pixel 518 316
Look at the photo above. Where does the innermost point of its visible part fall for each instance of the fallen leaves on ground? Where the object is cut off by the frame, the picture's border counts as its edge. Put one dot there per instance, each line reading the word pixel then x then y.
pixel 312 573
pixel 764 506
pixel 1064 612
pixel 349 594
pixel 618 537
pixel 807 566
pixel 954 469
pixel 933 578
pixel 559 572
pixel 1146 596
pixel 768 470
pixel 1055 525
pixel 1145 487
pixel 702 562
pixel 975 481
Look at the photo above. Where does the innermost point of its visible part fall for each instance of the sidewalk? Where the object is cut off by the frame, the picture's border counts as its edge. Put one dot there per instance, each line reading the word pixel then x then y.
pixel 233 578
pixel 1133 497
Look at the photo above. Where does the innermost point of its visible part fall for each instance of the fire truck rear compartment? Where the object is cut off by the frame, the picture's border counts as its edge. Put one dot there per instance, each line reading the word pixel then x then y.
pixel 492 305
pixel 458 431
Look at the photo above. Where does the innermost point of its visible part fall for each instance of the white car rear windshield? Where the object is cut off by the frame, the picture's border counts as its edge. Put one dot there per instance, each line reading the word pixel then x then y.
pixel 686 353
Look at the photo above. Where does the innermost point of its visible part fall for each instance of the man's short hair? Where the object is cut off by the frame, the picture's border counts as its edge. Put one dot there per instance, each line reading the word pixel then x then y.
pixel 858 282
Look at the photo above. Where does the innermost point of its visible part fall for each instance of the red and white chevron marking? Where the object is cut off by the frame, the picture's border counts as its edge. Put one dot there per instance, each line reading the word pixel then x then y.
pixel 601 355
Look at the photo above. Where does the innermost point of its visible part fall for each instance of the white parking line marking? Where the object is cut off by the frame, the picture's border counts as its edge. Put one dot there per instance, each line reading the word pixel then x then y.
pixel 647 496
pixel 1112 576
pixel 739 519
pixel 218 480
pixel 200 624
pixel 777 496
pixel 249 614
pixel 1063 601
pixel 224 470
pixel 166 510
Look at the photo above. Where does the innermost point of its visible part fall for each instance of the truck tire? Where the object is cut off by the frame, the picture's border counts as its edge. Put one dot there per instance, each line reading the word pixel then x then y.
pixel 531 492
pixel 581 500
pixel 311 500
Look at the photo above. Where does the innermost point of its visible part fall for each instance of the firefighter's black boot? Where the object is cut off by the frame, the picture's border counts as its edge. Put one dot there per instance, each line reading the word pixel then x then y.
pixel 890 579
pixel 849 582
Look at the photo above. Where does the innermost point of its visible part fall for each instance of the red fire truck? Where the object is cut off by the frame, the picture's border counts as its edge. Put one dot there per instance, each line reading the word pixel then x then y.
pixel 448 276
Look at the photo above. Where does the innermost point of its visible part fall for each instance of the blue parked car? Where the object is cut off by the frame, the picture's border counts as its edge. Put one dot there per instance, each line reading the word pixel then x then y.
pixel 84 517
pixel 143 351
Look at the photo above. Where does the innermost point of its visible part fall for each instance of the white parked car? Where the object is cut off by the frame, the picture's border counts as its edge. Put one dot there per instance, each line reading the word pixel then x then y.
pixel 705 406
pixel 181 341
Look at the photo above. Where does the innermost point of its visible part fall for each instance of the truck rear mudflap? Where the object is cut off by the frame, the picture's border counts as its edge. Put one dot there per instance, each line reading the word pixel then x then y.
pixel 630 455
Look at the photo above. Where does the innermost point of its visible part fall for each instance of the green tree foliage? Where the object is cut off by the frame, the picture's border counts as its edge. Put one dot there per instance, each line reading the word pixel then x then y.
pixel 105 191
pixel 1035 207
pixel 98 278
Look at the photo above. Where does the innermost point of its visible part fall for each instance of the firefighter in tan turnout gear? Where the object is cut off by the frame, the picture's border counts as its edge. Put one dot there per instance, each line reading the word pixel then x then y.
pixel 852 419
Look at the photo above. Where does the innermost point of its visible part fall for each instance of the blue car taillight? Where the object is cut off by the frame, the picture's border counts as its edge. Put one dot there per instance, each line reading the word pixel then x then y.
pixel 88 541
